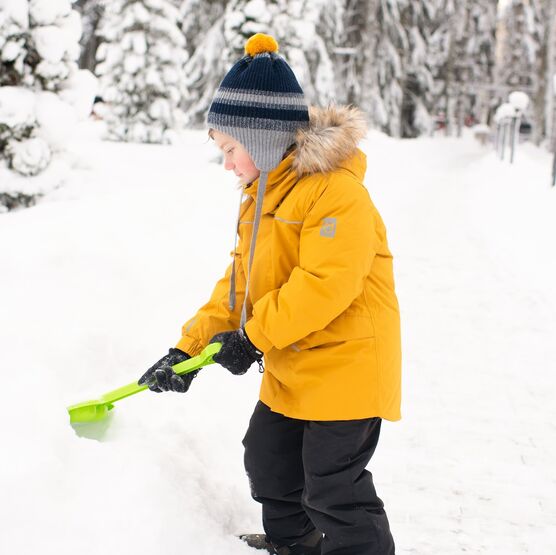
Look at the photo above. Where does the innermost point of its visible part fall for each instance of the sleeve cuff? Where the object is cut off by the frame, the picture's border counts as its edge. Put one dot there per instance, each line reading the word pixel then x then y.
pixel 257 337
pixel 189 345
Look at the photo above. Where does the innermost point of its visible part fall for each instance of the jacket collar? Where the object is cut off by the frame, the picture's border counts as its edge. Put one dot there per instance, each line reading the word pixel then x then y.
pixel 328 144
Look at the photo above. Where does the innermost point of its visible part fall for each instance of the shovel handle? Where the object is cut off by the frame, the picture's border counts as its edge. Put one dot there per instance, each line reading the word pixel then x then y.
pixel 204 358
pixel 189 365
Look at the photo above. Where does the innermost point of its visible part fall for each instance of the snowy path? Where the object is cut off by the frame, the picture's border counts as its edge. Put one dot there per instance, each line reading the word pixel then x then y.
pixel 101 276
pixel 477 451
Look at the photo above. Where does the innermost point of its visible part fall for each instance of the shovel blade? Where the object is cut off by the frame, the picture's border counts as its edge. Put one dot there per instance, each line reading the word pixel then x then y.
pixel 89 411
pixel 90 419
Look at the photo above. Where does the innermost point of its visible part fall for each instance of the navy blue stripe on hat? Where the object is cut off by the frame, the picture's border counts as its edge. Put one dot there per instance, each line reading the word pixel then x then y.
pixel 259 112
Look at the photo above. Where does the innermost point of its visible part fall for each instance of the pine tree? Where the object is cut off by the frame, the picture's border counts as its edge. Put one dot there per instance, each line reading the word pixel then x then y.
pixel 541 89
pixel 141 68
pixel 452 67
pixel 203 72
pixel 384 48
pixel 482 50
pixel 91 14
pixel 524 51
pixel 41 89
pixel 418 84
pixel 294 24
pixel 342 27
pixel 196 17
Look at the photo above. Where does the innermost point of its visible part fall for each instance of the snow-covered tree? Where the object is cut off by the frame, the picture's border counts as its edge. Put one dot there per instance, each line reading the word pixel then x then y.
pixel 366 44
pixel 196 18
pixel 449 61
pixel 141 69
pixel 519 49
pixel 40 42
pixel 384 48
pixel 524 51
pixel 482 50
pixel 203 72
pixel 91 12
pixel 462 54
pixel 305 49
pixel 341 26
pixel 418 86
pixel 294 25
pixel 42 92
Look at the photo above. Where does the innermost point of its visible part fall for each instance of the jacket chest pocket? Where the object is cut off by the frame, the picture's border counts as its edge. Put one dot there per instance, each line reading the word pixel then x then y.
pixel 286 233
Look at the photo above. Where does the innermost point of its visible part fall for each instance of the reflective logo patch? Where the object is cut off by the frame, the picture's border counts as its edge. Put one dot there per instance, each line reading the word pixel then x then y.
pixel 328 227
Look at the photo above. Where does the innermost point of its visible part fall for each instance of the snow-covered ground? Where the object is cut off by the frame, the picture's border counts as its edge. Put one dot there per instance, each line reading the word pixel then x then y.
pixel 98 278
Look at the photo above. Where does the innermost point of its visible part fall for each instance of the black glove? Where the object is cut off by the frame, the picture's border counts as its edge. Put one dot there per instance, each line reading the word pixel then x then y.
pixel 161 377
pixel 237 353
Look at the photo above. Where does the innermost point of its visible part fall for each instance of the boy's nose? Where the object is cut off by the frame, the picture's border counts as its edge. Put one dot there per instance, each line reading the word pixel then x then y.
pixel 228 165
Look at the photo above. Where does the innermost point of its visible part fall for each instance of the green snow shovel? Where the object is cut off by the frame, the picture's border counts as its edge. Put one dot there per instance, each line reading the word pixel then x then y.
pixel 96 411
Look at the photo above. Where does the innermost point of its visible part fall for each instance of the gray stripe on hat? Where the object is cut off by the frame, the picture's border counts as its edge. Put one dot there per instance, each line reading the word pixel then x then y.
pixel 252 92
pixel 229 96
pixel 227 120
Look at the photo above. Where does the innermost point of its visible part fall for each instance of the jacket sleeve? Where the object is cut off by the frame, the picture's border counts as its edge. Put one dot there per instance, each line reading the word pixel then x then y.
pixel 337 246
pixel 215 316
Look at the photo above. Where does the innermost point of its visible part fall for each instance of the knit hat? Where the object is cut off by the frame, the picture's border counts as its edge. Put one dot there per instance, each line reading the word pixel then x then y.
pixel 261 105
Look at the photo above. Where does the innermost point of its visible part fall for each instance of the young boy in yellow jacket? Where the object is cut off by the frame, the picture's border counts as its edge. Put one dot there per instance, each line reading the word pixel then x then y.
pixel 311 291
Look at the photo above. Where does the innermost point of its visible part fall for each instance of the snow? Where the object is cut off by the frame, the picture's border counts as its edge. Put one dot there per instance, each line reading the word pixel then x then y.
pixel 53 176
pixel 57 119
pixel 100 275
pixel 47 12
pixel 17 106
pixel 257 10
pixel 79 91
pixel 519 100
pixel 51 43
pixel 11 50
pixel 29 156
pixel 16 10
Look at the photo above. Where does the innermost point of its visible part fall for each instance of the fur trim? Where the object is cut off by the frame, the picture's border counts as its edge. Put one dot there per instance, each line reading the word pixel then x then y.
pixel 332 137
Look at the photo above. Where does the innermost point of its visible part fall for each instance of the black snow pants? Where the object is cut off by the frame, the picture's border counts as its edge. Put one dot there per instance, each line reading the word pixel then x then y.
pixel 311 474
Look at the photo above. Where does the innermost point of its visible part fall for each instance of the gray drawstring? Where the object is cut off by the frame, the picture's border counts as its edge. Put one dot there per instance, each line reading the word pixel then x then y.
pixel 232 296
pixel 258 213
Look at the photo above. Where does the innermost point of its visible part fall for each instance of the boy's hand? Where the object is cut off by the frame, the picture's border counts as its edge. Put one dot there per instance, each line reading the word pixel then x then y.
pixel 161 377
pixel 237 353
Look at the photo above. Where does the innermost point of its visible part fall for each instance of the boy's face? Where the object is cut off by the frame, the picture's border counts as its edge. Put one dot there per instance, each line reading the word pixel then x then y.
pixel 236 157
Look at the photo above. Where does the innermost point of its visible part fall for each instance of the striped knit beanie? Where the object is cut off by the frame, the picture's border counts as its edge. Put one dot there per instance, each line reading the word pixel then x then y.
pixel 260 103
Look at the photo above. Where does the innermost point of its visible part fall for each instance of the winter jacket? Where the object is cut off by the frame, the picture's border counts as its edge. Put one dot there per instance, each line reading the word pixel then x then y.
pixel 322 305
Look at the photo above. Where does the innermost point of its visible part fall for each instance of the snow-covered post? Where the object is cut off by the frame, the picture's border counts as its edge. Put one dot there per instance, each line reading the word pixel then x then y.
pixel 519 102
pixel 503 117
pixel 554 133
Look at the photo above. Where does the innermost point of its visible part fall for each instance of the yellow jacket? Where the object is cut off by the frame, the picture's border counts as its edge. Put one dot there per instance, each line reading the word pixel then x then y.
pixel 322 303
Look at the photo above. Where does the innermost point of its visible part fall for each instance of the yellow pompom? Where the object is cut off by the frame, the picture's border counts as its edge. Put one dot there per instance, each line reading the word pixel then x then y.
pixel 260 43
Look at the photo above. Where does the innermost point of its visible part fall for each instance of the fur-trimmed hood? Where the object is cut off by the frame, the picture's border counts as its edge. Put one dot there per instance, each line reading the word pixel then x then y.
pixel 332 137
